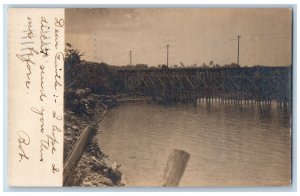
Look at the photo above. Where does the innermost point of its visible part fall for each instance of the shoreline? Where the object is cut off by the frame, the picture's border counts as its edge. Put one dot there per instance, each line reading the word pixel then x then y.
pixel 92 169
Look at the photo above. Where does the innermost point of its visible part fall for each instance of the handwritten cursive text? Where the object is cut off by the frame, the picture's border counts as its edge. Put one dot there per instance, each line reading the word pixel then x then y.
pixel 23 139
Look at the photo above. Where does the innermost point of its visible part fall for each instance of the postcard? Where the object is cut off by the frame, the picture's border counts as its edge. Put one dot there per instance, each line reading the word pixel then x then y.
pixel 150 97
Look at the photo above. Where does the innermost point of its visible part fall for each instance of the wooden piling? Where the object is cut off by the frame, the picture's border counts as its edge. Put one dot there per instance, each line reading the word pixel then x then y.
pixel 175 167
pixel 72 160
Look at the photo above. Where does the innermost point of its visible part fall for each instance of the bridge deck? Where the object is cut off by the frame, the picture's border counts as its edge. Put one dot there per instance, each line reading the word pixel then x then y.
pixel 184 84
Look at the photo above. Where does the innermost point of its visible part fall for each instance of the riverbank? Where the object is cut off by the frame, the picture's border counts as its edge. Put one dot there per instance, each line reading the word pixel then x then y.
pixel 83 109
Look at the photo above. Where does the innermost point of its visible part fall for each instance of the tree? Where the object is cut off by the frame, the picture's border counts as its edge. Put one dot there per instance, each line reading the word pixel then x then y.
pixel 164 66
pixel 211 63
pixel 181 64
pixel 232 65
pixel 72 60
pixel 72 56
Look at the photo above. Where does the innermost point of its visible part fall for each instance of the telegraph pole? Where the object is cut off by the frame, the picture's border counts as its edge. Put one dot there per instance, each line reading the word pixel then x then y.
pixel 168 55
pixel 238 51
pixel 130 57
pixel 95 47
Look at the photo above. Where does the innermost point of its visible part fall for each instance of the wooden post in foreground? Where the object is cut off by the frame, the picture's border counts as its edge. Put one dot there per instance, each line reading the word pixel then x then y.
pixel 77 151
pixel 175 167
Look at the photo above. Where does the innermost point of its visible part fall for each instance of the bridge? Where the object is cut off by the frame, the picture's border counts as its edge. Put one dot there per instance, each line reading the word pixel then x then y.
pixel 258 85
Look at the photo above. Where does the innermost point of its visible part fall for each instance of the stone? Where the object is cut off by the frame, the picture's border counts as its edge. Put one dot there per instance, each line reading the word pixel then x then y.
pixel 75 127
pixel 106 181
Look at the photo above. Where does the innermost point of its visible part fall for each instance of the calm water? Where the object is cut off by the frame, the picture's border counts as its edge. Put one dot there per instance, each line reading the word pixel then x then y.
pixel 229 144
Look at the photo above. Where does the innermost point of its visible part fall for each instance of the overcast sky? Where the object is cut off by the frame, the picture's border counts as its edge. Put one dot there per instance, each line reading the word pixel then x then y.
pixel 194 35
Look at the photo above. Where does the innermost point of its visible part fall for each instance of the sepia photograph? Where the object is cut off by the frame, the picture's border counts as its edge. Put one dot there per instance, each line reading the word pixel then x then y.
pixel 177 97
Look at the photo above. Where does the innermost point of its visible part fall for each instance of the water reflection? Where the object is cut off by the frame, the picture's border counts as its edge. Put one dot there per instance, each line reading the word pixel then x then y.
pixel 229 144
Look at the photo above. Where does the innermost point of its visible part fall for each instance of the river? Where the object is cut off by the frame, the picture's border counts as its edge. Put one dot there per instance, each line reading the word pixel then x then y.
pixel 229 145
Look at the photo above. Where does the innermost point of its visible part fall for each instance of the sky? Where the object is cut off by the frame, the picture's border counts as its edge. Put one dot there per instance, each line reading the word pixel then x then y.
pixel 194 35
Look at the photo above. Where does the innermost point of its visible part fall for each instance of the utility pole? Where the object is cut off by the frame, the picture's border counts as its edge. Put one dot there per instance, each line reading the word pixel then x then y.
pixel 130 57
pixel 238 51
pixel 168 55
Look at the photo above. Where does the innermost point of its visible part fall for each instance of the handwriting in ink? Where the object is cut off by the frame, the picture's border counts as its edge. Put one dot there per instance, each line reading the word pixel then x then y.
pixel 42 91
pixel 54 168
pixel 26 57
pixel 59 62
pixel 57 117
pixel 23 139
pixel 56 38
pixel 58 23
pixel 29 28
pixel 55 98
pixel 49 142
pixel 41 114
pixel 43 36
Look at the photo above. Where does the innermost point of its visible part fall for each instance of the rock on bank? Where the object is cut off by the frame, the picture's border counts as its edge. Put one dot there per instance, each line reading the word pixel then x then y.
pixel 83 109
